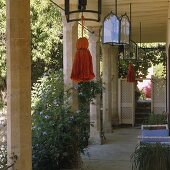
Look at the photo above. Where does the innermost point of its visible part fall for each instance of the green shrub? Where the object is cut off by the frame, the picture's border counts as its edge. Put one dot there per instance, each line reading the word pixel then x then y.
pixel 151 157
pixel 87 91
pixel 156 119
pixel 58 134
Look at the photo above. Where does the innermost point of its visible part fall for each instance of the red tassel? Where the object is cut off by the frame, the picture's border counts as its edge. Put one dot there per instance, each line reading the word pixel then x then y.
pixel 131 74
pixel 82 70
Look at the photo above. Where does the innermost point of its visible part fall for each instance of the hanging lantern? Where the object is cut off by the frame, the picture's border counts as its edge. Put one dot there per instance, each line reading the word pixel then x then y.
pixel 124 29
pixel 82 70
pixel 91 9
pixel 116 30
pixel 130 51
pixel 111 29
pixel 131 73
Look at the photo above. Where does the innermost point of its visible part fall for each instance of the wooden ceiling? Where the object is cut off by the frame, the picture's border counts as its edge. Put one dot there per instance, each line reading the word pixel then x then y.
pixel 153 15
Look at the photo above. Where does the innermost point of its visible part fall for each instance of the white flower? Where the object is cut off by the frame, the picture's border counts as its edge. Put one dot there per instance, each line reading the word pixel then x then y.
pixel 55 102
pixel 46 116
pixel 44 133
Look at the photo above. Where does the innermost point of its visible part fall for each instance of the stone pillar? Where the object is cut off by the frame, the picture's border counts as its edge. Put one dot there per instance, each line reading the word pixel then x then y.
pixel 70 36
pixel 114 85
pixel 19 84
pixel 107 113
pixel 94 47
pixel 168 65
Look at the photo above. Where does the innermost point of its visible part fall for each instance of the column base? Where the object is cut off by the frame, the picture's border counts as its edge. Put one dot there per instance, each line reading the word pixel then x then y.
pixel 95 138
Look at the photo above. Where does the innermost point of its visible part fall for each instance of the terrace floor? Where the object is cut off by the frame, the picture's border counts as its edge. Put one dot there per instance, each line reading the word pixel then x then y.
pixel 115 153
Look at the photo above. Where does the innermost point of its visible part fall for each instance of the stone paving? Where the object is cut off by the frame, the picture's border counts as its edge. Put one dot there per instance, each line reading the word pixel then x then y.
pixel 115 153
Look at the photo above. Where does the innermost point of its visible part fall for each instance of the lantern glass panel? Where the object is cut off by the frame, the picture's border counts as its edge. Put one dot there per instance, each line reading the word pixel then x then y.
pixel 125 30
pixel 111 29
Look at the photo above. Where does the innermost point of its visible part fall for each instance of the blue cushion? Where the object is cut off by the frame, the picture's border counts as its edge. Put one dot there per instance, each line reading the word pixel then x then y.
pixel 161 132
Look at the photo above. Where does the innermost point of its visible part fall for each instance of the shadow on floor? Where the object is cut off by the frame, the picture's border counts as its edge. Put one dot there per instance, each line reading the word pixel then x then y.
pixel 115 153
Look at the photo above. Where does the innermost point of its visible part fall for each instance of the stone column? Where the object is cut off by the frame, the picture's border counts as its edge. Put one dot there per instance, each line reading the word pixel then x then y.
pixel 107 114
pixel 70 36
pixel 114 85
pixel 94 47
pixel 168 65
pixel 19 84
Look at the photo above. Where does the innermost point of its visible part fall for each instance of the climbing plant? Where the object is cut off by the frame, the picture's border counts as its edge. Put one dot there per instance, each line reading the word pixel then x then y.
pixel 153 55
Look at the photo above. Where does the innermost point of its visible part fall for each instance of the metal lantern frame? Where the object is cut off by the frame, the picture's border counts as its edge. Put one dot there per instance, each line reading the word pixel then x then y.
pixel 123 29
pixel 114 37
pixel 82 8
pixel 130 51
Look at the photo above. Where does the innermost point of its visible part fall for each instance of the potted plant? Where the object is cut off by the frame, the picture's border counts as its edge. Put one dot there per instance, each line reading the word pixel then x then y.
pixel 156 119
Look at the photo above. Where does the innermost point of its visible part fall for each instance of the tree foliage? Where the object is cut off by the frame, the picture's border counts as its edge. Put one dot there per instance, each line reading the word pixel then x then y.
pixel 149 56
pixel 46 46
